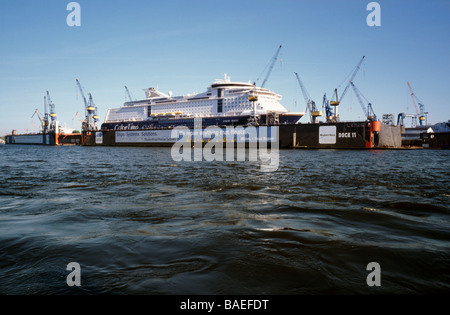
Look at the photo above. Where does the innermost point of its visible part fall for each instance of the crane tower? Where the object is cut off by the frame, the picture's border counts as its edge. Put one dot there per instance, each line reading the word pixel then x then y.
pixel 420 108
pixel 90 123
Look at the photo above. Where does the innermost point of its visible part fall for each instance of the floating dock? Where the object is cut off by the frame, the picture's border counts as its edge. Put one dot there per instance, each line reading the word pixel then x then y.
pixel 341 135
pixel 50 138
pixel 32 139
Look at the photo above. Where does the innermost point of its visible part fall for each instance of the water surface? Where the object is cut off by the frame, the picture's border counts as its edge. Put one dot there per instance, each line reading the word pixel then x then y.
pixel 138 222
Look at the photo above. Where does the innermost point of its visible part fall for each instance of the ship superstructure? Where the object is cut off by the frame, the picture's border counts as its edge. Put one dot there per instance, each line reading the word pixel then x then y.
pixel 223 103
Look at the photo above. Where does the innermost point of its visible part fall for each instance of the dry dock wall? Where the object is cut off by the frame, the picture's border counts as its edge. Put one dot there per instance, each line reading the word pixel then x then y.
pixel 329 136
pixel 345 135
pixel 390 137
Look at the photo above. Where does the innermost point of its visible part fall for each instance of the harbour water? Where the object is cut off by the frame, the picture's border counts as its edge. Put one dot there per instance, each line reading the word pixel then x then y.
pixel 137 222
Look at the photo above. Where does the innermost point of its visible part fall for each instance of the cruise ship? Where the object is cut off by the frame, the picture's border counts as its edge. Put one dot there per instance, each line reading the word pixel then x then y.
pixel 224 103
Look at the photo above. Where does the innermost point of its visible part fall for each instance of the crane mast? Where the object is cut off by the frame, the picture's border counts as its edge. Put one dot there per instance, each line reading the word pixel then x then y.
pixel 310 104
pixel 45 123
pixel 91 119
pixel 53 125
pixel 92 106
pixel 420 109
pixel 327 108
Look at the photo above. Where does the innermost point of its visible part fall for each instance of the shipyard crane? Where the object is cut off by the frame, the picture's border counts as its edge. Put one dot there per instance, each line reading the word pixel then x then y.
pixel 310 104
pixel 401 119
pixel 420 108
pixel 270 65
pixel 83 124
pixel 82 93
pixel 129 94
pixel 367 110
pixel 77 116
pixel 335 103
pixel 52 111
pixel 36 113
pixel 92 105
pixel 254 117
pixel 90 110
pixel 327 108
pixel 46 123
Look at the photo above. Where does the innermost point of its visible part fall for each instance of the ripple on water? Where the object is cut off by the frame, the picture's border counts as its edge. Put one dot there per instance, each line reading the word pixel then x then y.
pixel 138 222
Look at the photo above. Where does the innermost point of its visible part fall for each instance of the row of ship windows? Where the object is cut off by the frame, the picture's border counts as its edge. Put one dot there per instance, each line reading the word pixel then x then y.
pixel 239 100
pixel 203 106
pixel 237 106
pixel 206 107
pixel 203 109
pixel 208 110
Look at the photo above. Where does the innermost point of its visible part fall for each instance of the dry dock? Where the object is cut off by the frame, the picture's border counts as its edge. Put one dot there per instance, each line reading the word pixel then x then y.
pixel 342 135
pixel 50 138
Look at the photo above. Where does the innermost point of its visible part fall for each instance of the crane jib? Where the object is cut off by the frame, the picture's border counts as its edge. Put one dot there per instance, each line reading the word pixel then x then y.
pixel 352 78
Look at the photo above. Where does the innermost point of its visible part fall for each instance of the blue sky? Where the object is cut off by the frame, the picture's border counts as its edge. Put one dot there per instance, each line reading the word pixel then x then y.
pixel 183 46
